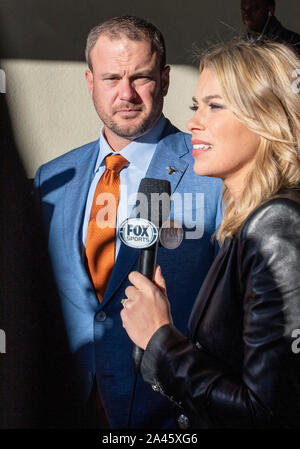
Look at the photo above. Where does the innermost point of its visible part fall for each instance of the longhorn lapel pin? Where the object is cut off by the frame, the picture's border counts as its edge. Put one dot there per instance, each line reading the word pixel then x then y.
pixel 172 170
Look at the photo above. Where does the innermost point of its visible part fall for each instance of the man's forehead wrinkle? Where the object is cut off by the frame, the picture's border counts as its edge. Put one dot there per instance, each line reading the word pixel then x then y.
pixel 117 67
pixel 123 72
pixel 126 64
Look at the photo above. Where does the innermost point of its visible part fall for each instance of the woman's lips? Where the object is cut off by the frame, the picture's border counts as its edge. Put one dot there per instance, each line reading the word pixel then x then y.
pixel 198 152
pixel 200 147
pixel 199 142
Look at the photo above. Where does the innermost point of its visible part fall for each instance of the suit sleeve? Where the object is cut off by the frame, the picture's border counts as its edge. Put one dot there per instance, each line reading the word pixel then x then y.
pixel 267 391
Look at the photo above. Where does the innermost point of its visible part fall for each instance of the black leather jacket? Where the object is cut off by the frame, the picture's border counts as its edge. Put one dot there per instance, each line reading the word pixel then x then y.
pixel 240 366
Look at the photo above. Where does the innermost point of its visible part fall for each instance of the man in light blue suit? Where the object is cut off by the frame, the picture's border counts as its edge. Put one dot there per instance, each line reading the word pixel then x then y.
pixel 90 375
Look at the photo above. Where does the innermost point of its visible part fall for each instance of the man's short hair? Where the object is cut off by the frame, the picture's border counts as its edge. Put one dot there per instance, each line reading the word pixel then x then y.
pixel 133 28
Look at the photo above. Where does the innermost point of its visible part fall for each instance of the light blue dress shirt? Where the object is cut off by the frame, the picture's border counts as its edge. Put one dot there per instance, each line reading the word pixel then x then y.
pixel 139 154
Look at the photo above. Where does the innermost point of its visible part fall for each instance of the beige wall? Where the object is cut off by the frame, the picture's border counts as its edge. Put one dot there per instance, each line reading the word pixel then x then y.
pixel 53 112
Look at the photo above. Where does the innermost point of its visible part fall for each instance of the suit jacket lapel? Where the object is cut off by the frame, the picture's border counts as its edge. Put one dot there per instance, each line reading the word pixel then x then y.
pixel 170 149
pixel 125 262
pixel 166 162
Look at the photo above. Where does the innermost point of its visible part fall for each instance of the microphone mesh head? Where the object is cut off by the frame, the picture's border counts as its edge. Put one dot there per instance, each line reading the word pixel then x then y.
pixel 153 200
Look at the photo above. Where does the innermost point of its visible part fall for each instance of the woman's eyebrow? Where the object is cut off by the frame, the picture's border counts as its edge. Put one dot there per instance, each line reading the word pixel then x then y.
pixel 207 98
pixel 210 97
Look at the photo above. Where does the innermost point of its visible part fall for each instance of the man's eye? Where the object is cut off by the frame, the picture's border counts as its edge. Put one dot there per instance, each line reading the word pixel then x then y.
pixel 142 79
pixel 193 108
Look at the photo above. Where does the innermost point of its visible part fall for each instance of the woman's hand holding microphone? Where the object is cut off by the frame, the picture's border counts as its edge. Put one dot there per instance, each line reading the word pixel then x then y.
pixel 146 307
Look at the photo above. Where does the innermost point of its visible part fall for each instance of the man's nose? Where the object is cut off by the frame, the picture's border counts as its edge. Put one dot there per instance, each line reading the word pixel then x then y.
pixel 126 90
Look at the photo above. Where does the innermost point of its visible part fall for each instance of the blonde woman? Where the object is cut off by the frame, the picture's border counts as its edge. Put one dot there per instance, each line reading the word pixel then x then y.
pixel 239 367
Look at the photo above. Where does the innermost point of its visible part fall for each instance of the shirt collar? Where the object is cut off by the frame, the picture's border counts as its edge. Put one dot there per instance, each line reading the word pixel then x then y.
pixel 139 152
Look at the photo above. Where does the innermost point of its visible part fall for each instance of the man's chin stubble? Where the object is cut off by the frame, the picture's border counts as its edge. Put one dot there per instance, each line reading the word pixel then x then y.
pixel 131 132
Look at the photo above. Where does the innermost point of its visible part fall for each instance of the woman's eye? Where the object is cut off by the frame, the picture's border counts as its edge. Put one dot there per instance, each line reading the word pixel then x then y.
pixel 215 106
pixel 193 108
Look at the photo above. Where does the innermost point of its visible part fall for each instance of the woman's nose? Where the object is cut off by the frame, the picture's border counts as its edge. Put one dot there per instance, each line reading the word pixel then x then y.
pixel 196 122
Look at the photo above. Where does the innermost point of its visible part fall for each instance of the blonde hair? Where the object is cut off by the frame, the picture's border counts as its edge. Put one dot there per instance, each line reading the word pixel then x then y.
pixel 258 85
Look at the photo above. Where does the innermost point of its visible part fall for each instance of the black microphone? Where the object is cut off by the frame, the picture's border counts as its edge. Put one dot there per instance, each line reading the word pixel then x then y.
pixel 152 211
pixel 154 205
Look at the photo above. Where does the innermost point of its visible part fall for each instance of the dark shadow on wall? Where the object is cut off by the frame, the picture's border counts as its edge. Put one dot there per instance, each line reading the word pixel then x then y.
pixel 33 343
pixel 20 313
pixel 56 29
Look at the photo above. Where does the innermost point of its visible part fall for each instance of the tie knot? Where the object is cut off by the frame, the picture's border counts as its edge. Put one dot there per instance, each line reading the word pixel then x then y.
pixel 115 162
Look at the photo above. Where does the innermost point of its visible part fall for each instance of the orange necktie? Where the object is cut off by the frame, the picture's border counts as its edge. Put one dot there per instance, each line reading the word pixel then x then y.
pixel 101 233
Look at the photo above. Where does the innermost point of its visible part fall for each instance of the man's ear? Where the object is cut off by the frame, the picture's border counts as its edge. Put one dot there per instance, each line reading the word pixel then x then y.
pixel 165 79
pixel 90 81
